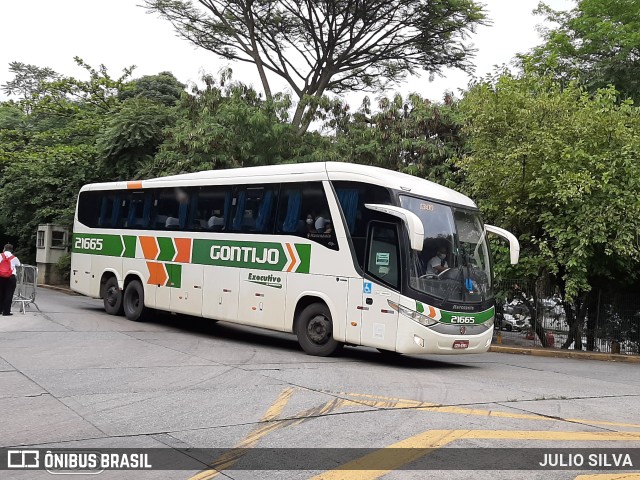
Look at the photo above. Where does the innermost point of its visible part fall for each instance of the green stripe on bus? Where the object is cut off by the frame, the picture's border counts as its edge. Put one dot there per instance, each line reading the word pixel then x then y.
pixel 463 317
pixel 304 252
pixel 174 270
pixel 110 245
pixel 129 246
pixel 259 255
pixel 167 250
pixel 256 255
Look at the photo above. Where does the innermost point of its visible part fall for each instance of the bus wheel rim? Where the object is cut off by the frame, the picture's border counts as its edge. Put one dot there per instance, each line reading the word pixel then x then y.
pixel 112 296
pixel 318 329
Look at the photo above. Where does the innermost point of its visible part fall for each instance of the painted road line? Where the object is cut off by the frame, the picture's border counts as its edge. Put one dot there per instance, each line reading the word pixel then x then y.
pixel 610 476
pixel 427 441
pixel 417 447
pixel 392 403
pixel 227 460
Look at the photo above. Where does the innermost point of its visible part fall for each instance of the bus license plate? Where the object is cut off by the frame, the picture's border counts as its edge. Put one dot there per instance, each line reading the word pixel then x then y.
pixel 460 344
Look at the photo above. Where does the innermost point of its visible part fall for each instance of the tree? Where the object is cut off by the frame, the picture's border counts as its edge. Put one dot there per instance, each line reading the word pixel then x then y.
pixel 47 145
pixel 559 167
pixel 596 42
pixel 410 134
pixel 332 45
pixel 163 88
pixel 132 136
pixel 28 80
pixel 227 124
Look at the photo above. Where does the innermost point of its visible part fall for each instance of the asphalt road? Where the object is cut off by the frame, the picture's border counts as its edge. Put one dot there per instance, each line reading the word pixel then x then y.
pixel 74 377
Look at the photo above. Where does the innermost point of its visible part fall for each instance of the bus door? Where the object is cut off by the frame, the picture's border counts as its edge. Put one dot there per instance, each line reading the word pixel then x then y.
pixel 381 284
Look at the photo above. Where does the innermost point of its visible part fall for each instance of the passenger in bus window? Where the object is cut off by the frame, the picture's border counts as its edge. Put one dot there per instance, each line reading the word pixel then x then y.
pixel 216 222
pixel 310 223
pixel 321 222
pixel 172 222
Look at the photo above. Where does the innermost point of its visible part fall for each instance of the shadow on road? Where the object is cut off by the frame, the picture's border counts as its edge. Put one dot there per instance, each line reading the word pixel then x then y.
pixel 287 342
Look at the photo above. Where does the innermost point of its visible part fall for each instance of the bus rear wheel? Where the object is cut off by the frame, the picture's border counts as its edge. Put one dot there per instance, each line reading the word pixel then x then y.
pixel 112 297
pixel 314 329
pixel 133 301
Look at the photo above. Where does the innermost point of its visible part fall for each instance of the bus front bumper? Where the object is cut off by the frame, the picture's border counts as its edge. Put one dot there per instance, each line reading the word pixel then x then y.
pixel 414 338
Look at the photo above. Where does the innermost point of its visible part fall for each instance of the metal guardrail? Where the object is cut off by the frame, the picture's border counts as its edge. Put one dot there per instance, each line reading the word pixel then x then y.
pixel 609 323
pixel 26 287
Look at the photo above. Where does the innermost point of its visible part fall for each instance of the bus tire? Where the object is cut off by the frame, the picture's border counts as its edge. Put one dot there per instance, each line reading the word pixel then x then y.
pixel 314 329
pixel 112 297
pixel 133 301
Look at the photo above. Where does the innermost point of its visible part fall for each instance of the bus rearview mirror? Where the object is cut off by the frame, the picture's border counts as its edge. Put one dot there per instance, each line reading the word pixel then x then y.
pixel 514 245
pixel 410 219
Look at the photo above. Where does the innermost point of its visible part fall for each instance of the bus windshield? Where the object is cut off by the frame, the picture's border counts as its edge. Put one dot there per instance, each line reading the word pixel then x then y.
pixel 454 263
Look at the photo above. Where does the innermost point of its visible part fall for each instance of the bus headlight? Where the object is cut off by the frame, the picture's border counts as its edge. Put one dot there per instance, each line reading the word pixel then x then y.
pixel 412 314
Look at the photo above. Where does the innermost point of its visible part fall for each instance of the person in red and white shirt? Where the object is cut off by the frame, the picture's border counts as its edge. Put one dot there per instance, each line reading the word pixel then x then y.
pixel 8 284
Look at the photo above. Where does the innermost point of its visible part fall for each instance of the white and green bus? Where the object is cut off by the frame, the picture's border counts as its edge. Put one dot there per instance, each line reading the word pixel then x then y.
pixel 334 252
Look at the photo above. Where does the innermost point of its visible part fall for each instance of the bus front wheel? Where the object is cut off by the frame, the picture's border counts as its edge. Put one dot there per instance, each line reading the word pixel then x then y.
pixel 112 297
pixel 133 301
pixel 314 329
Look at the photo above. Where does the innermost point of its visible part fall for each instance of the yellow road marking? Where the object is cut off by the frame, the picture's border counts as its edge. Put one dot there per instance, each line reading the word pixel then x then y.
pixel 610 476
pixel 390 402
pixel 276 409
pixel 233 455
pixel 420 446
pixel 228 459
pixel 427 441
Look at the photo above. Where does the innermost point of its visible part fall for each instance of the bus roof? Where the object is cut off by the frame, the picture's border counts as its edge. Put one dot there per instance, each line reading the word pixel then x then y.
pixel 303 172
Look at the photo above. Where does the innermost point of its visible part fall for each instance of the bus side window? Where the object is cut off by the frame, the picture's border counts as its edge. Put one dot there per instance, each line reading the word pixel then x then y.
pixel 139 209
pixel 89 208
pixel 254 209
pixel 289 218
pixel 213 208
pixel 166 211
pixel 304 211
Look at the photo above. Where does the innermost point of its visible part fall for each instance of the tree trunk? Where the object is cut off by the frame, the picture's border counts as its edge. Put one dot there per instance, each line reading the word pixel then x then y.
pixel 576 313
pixel 592 321
pixel 531 304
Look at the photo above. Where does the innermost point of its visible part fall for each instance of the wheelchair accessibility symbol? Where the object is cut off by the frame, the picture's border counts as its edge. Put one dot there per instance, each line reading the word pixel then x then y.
pixel 367 287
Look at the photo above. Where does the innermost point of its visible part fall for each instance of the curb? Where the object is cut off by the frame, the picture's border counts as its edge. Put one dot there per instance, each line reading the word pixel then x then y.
pixel 558 353
pixel 58 288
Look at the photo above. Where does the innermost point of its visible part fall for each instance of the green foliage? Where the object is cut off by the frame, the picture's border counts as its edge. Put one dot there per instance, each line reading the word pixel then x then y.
pixel 559 168
pixel 327 46
pixel 48 144
pixel 228 125
pixel 41 187
pixel 64 268
pixel 163 88
pixel 408 134
pixel 132 137
pixel 28 80
pixel 597 42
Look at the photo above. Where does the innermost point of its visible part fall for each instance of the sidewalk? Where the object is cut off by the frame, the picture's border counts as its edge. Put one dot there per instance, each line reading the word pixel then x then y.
pixel 560 353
